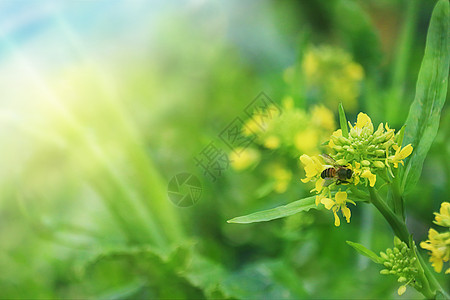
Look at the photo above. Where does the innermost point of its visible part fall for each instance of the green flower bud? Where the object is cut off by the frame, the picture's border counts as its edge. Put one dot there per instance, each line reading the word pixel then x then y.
pixel 379 131
pixel 378 164
pixel 341 162
pixel 380 152
pixel 365 163
pixel 401 279
pixel 384 272
pixel 388 135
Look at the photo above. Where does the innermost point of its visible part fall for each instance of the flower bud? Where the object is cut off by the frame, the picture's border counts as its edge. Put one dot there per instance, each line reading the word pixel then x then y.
pixel 379 152
pixel 388 135
pixel 341 162
pixel 365 163
pixel 378 164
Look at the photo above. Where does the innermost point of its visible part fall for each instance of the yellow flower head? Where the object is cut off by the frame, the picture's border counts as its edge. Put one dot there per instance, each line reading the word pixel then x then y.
pixel 323 117
pixel 246 158
pixel 371 177
pixel 306 141
pixel 400 154
pixel 333 74
pixel 439 246
pixel 363 126
pixel 272 142
pixel 282 178
pixel 443 217
pixel 312 165
pixel 339 203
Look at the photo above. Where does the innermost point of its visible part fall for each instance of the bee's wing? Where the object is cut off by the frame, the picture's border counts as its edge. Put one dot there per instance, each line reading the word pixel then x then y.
pixel 327 182
pixel 328 159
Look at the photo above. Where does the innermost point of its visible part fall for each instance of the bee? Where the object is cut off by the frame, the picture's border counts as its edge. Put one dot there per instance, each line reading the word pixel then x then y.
pixel 340 174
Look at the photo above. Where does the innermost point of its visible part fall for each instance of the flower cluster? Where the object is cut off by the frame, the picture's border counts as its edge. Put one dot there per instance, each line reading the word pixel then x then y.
pixel 294 131
pixel 400 261
pixel 362 151
pixel 331 74
pixel 439 243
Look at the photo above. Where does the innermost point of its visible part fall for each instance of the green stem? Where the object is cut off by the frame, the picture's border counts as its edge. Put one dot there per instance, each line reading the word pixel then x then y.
pixel 397 225
pixel 399 208
pixel 430 283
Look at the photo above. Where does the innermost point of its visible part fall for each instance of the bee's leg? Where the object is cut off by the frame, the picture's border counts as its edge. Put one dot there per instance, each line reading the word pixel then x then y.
pixel 338 182
pixel 344 181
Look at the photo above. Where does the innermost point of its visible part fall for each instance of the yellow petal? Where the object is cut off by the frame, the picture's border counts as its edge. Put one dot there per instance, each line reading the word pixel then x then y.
pixel 337 133
pixel 327 202
pixel 447 271
pixel 305 180
pixel 340 197
pixel 445 209
pixel 363 121
pixel 346 212
pixel 306 160
pixel 437 263
pixel 432 233
pixel 405 152
pixel 426 246
pixel 337 222
pixel 319 185
pixel 318 199
pixel 372 178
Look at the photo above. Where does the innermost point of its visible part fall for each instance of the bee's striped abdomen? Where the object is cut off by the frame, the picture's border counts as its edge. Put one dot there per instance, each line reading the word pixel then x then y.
pixel 328 173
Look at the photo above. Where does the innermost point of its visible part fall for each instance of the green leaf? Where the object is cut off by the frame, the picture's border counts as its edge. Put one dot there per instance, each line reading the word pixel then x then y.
pixel 277 212
pixel 343 121
pixel 431 90
pixel 366 252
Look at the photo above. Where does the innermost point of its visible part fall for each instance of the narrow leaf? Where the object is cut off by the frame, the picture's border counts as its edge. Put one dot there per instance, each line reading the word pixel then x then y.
pixel 343 121
pixel 277 212
pixel 366 252
pixel 431 90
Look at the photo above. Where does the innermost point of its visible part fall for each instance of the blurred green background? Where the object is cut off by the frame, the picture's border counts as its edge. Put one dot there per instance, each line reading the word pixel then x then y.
pixel 103 102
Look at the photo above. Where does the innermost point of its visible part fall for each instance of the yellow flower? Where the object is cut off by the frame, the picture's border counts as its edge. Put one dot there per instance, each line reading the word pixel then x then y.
pixel 356 172
pixel 288 103
pixel 310 64
pixel 272 142
pixel 251 127
pixel 244 159
pixel 339 203
pixel 312 165
pixel 323 117
pixel 400 154
pixel 439 245
pixel 443 217
pixel 282 178
pixel 355 71
pixel 335 134
pixel 363 122
pixel 372 177
pixel 306 140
